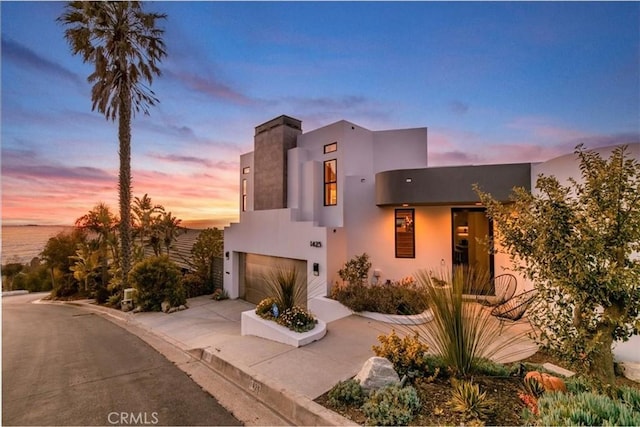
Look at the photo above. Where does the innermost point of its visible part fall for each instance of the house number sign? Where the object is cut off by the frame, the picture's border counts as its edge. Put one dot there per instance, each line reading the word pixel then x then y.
pixel 315 244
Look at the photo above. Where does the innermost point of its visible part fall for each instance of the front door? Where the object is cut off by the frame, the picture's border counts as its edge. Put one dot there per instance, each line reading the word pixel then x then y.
pixel 470 228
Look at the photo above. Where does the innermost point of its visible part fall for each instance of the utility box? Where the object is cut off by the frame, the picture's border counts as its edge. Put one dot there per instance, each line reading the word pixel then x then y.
pixel 127 300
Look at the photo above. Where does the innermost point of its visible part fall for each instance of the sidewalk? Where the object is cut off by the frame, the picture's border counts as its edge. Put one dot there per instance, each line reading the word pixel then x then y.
pixel 285 378
pixel 214 327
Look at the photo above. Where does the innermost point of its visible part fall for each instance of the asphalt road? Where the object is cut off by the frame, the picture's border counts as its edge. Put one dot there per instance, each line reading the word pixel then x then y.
pixel 65 366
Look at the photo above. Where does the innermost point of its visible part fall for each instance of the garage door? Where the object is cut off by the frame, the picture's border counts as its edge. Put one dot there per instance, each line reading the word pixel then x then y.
pixel 256 268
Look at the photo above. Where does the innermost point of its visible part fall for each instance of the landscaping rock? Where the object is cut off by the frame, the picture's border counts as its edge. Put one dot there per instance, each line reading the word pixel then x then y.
pixel 182 307
pixel 376 373
pixel 631 370
pixel 558 370
pixel 165 306
pixel 172 310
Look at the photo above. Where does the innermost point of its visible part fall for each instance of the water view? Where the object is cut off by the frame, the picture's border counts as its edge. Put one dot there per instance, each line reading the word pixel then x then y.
pixel 22 243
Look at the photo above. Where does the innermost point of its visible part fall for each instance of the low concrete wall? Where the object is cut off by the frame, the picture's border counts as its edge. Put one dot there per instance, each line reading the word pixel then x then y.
pixel 252 324
pixel 328 309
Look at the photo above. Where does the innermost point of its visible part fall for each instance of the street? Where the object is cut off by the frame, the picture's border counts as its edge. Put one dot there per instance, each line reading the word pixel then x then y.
pixel 62 365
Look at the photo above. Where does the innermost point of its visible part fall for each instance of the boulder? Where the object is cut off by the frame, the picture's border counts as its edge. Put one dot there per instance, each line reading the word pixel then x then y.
pixel 376 373
pixel 631 370
pixel 165 306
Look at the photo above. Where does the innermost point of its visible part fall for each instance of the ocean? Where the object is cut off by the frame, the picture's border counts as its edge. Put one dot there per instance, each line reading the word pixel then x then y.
pixel 23 243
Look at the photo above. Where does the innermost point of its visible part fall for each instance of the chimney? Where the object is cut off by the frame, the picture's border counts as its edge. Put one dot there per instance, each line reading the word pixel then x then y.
pixel 271 142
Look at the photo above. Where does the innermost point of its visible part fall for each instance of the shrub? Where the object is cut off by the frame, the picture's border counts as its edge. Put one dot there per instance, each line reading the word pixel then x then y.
pixel 297 319
pixel 220 294
pixel 157 279
pixel 579 384
pixel 393 298
pixel 194 285
pixel 466 398
pixel 391 405
pixel 560 409
pixel 406 354
pixel 630 396
pixel 356 270
pixel 347 393
pixel 489 367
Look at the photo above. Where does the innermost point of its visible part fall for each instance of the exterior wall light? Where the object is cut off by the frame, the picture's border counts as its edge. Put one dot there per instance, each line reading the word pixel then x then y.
pixel 408 180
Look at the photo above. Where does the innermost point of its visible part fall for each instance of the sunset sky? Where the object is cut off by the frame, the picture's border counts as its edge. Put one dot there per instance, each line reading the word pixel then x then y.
pixel 493 82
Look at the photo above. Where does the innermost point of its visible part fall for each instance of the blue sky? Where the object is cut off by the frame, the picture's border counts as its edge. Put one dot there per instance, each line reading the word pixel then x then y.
pixel 493 82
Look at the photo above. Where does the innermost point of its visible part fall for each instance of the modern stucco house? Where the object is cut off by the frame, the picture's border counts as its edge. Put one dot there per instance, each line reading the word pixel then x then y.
pixel 314 200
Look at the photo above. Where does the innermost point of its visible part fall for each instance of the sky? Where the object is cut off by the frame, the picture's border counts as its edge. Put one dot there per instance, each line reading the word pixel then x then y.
pixel 501 82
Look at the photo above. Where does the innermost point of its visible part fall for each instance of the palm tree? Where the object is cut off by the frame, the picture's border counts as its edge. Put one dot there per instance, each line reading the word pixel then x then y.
pixel 125 46
pixel 101 223
pixel 145 214
pixel 170 226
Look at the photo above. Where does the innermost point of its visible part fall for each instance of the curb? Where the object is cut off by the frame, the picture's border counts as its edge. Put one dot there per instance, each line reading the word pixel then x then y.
pixel 298 409
pixel 293 407
pixel 12 293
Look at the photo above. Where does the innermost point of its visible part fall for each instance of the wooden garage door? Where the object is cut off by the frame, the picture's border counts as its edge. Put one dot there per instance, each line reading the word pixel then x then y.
pixel 257 267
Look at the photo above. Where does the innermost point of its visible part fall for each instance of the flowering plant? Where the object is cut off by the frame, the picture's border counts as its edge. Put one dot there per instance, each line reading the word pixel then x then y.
pixel 297 319
pixel 264 308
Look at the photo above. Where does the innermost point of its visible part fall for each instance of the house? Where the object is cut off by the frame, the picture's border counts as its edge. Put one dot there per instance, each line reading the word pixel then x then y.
pixel 313 200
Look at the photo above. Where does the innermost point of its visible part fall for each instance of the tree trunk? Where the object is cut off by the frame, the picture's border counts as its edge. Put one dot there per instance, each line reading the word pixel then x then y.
pixel 601 366
pixel 124 182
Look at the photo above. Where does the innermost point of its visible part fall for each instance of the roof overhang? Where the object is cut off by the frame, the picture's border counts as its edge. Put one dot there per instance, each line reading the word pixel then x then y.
pixel 450 185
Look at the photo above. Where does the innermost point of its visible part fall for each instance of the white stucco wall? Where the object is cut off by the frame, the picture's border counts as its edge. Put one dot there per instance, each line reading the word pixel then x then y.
pixel 272 232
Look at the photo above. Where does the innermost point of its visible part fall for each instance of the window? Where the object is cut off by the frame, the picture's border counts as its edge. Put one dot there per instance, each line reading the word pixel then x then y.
pixel 330 183
pixel 405 233
pixel 246 170
pixel 330 148
pixel 244 195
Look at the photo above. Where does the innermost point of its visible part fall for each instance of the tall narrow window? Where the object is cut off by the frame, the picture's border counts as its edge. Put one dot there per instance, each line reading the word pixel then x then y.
pixel 405 233
pixel 244 195
pixel 330 183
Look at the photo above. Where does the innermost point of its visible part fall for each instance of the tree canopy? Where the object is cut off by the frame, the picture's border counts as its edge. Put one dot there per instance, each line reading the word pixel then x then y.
pixel 579 244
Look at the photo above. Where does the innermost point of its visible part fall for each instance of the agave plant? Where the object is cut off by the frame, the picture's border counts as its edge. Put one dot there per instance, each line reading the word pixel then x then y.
pixel 287 286
pixel 462 332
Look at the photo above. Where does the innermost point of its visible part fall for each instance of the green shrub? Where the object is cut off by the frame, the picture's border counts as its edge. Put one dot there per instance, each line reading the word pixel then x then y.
pixel 466 398
pixel 194 285
pixel 391 405
pixel 297 319
pixel 579 384
pixel 560 409
pixel 630 396
pixel 356 270
pixel 387 299
pixel 38 279
pixel 157 279
pixel 347 393
pixel 406 354
pixel 488 367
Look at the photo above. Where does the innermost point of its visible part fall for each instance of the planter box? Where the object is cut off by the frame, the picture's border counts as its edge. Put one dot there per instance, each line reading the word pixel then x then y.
pixel 252 324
